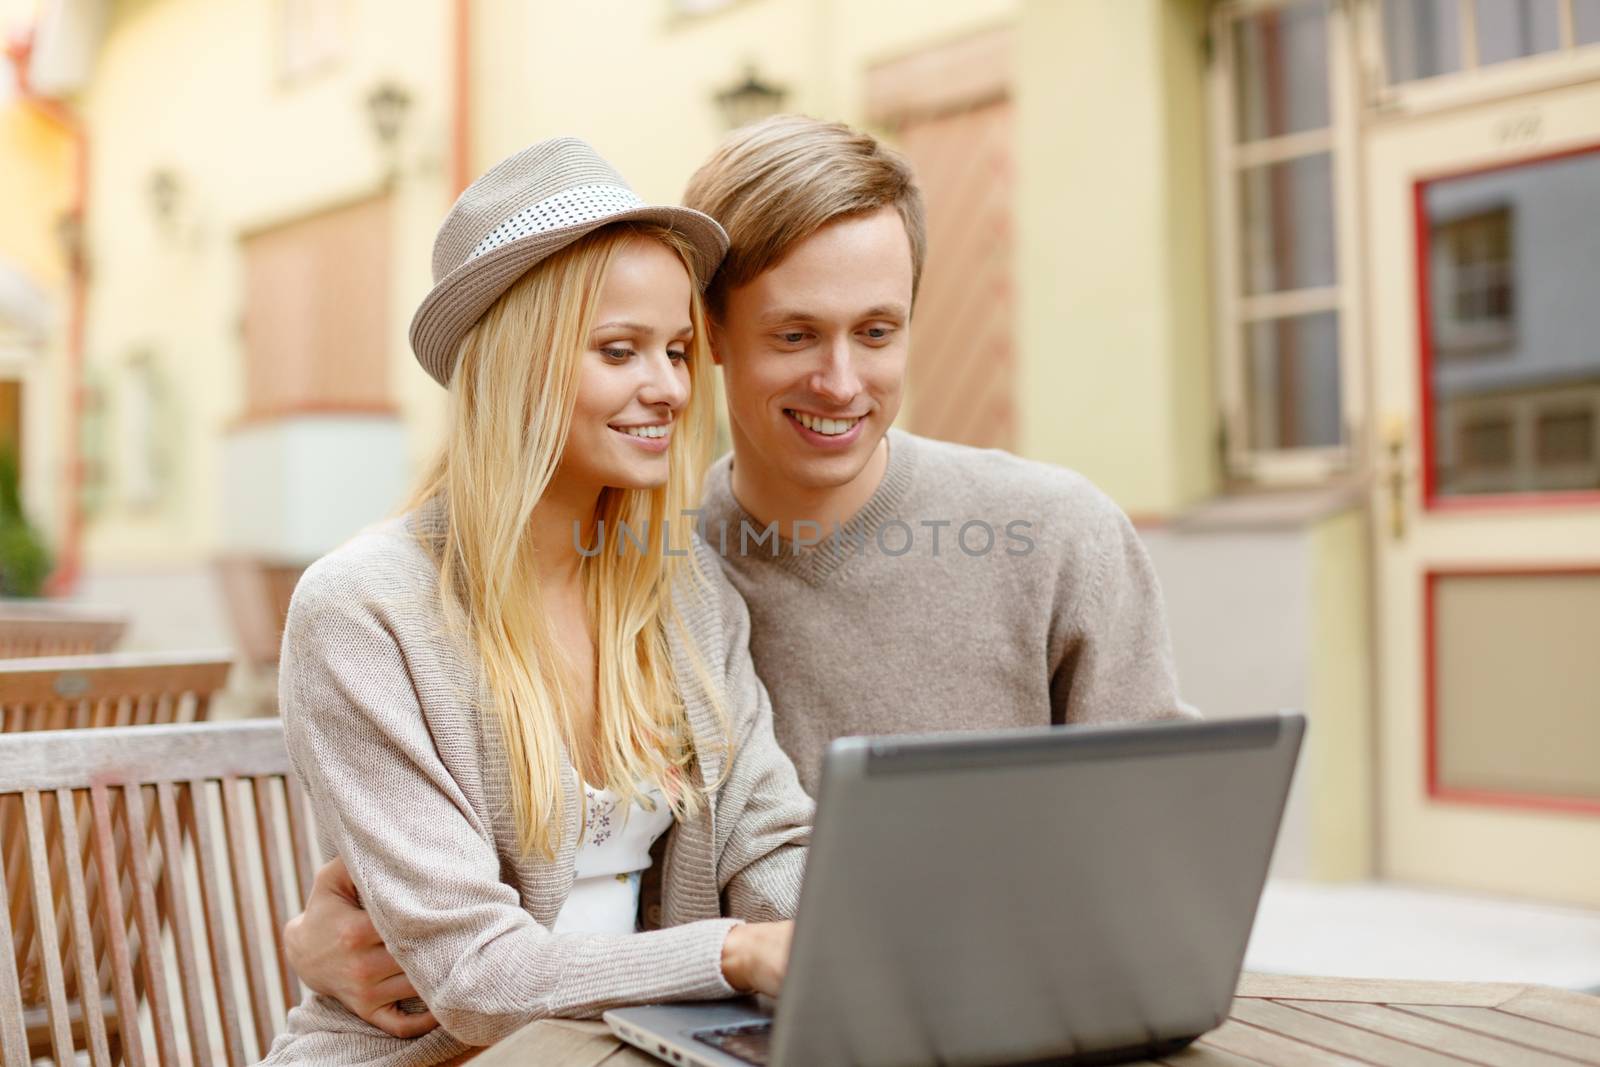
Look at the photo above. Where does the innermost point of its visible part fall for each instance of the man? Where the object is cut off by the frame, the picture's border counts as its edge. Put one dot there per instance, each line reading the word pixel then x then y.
pixel 895 583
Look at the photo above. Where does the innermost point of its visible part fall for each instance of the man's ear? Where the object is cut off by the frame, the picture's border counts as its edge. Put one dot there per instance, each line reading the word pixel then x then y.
pixel 714 342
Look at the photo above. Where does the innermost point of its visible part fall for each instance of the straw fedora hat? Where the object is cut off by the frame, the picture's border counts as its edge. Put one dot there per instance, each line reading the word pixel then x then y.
pixel 523 209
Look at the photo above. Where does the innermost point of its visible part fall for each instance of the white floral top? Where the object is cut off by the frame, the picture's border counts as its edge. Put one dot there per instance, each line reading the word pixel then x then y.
pixel 614 851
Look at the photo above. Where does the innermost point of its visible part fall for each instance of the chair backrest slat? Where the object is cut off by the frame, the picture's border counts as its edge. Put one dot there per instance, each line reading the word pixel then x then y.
pixel 277 898
pixel 244 902
pixel 83 940
pixel 45 920
pixel 13 1034
pixel 119 958
pixel 59 866
pixel 13 836
pixel 299 839
pixel 200 830
pixel 155 979
pixel 174 889
pixel 129 834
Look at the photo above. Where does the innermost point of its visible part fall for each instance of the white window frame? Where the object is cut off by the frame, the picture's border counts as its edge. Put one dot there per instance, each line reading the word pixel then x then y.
pixel 314 36
pixel 1472 84
pixel 1234 309
pixel 1455 339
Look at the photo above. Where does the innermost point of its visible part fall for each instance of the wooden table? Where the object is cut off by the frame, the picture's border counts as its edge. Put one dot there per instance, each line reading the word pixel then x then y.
pixel 1279 1021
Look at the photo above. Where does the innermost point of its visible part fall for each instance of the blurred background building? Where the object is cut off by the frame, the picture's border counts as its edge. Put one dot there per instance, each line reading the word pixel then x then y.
pixel 1311 288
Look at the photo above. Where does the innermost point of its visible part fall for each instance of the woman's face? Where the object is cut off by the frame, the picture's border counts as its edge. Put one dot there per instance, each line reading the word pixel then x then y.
pixel 634 378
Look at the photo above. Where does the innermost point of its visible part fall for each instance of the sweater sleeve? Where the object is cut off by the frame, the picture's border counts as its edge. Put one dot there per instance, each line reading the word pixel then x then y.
pixel 427 870
pixel 766 814
pixel 1110 652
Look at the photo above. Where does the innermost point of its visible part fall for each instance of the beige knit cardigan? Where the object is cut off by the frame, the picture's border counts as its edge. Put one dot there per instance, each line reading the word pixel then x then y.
pixel 387 723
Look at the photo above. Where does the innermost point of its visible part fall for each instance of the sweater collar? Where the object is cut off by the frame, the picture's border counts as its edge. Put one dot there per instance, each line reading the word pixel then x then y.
pixel 819 562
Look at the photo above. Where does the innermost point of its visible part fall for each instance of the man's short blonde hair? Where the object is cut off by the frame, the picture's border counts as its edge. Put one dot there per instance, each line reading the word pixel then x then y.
pixel 776 182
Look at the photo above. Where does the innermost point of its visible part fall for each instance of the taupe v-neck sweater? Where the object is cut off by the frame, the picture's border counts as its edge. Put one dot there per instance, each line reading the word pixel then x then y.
pixel 897 623
pixel 385 720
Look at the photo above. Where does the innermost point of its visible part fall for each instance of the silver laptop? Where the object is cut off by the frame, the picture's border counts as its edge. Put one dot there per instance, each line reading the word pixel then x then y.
pixel 1071 894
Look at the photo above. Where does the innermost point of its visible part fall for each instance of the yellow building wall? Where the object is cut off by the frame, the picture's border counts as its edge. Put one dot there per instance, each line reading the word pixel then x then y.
pixel 1112 257
pixel 35 189
pixel 638 82
pixel 1338 757
pixel 1112 330
pixel 195 87
pixel 1114 320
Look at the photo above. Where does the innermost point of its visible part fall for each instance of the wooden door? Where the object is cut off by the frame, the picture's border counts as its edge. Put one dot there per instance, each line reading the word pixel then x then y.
pixel 949 110
pixel 1484 248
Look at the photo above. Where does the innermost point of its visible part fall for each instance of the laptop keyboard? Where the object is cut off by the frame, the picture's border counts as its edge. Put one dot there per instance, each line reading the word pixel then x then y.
pixel 750 1042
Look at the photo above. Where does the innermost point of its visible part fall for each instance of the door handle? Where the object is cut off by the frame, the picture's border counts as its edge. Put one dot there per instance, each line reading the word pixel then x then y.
pixel 1395 432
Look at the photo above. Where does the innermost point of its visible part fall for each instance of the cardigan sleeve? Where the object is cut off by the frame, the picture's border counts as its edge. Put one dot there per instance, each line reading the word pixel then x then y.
pixel 426 868
pixel 762 810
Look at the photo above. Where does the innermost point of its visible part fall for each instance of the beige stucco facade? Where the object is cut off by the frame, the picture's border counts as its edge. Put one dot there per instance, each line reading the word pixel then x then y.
pixel 1112 325
pixel 1109 201
pixel 193 88
pixel 1114 316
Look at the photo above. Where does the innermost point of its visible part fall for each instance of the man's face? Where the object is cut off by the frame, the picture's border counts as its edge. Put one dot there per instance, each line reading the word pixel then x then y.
pixel 813 352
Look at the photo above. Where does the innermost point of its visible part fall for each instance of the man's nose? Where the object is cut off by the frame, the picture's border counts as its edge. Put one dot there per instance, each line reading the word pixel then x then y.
pixel 836 380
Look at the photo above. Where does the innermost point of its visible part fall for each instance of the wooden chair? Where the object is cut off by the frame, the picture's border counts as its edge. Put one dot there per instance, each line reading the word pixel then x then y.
pixel 257 593
pixel 216 849
pixel 56 693
pixel 51 628
pixel 117 689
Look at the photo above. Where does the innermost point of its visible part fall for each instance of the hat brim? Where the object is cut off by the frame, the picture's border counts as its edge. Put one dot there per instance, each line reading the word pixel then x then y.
pixel 461 297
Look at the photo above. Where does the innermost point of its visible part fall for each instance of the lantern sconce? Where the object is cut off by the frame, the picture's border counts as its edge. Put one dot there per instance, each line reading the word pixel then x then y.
pixel 164 192
pixel 387 105
pixel 749 100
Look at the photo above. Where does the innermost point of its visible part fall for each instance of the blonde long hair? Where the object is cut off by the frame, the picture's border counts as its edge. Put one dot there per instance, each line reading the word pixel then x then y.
pixel 510 408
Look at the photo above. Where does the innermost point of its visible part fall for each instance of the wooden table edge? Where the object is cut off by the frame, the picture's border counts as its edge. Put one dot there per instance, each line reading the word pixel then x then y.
pixel 1390 990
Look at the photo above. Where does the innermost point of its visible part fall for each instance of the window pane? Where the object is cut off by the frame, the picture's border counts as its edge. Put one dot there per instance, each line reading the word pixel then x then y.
pixel 1288 225
pixel 1281 61
pixel 1515 328
pixel 1473 283
pixel 1511 29
pixel 1292 382
pixel 1422 38
pixel 1586 17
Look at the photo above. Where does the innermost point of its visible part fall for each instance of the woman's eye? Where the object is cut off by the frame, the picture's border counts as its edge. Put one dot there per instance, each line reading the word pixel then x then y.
pixel 680 354
pixel 618 354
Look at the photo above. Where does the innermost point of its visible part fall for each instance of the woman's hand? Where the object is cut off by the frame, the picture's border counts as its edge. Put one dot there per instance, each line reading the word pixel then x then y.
pixel 755 956
pixel 335 950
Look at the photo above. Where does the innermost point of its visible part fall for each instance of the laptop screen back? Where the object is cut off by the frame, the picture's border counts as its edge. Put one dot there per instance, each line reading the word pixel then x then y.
pixel 1098 885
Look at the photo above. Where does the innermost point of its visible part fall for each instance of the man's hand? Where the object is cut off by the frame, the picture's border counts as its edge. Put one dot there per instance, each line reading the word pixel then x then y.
pixel 755 956
pixel 335 950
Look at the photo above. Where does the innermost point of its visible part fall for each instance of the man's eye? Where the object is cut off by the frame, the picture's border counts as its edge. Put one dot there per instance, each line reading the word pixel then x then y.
pixel 878 333
pixel 792 338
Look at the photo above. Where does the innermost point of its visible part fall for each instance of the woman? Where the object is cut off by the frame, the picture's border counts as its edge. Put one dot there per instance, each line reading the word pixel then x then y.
pixel 494 721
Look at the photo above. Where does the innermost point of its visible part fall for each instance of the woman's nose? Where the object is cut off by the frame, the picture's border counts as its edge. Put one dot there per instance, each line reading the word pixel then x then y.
pixel 667 382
